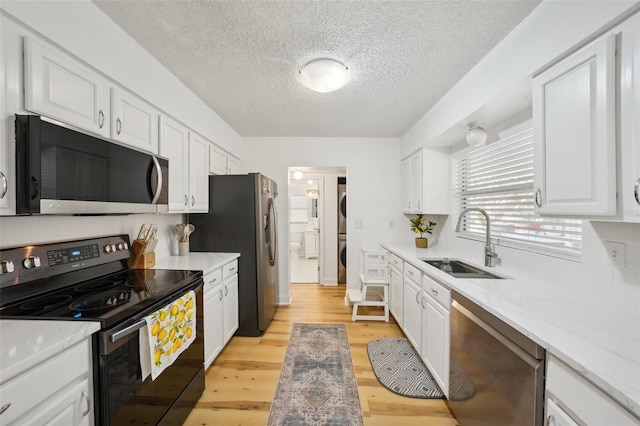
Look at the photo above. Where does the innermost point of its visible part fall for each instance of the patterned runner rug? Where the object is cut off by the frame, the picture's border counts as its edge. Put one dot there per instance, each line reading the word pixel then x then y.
pixel 399 368
pixel 317 384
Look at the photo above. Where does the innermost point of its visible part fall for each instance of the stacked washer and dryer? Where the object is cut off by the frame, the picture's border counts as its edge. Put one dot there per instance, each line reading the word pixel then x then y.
pixel 342 230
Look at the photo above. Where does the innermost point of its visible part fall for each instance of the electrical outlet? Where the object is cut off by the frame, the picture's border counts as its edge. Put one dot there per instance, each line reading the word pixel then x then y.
pixel 358 223
pixel 617 253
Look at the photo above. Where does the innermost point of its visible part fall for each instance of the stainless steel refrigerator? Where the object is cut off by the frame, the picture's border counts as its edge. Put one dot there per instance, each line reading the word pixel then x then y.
pixel 242 219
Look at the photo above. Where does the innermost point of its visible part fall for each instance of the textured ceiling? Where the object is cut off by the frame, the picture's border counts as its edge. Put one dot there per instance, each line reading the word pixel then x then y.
pixel 242 57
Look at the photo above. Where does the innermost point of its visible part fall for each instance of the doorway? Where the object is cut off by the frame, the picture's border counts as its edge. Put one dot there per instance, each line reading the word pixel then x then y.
pixel 313 224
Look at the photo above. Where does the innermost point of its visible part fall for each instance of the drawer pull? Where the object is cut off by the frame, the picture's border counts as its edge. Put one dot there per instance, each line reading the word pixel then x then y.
pixel 85 395
pixel 5 407
pixel 186 200
pixel 118 126
pixel 5 187
pixel 232 269
pixel 538 198
pixel 422 303
pixel 636 190
pixel 551 421
pixel 417 300
pixel 100 119
pixel 434 291
pixel 221 295
pixel 226 291
pixel 410 273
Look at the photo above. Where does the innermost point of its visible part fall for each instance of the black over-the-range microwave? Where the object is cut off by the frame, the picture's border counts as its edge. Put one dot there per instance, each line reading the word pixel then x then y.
pixel 63 170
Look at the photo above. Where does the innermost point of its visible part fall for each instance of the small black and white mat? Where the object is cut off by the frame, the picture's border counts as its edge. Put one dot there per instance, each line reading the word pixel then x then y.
pixel 399 368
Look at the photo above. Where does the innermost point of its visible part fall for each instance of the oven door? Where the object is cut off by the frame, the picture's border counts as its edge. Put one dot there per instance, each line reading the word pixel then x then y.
pixel 121 394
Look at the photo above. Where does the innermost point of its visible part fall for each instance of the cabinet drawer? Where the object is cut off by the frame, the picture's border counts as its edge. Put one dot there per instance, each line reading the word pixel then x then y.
pixel 212 279
pixel 582 399
pixel 413 273
pixel 30 389
pixel 395 261
pixel 230 269
pixel 437 291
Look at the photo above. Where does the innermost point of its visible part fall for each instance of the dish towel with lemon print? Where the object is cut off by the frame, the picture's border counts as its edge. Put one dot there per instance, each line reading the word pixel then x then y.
pixel 168 333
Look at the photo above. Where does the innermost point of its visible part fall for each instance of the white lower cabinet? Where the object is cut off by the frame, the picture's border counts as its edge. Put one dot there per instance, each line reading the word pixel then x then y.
pixel 58 391
pixel 220 309
pixel 396 292
pixel 213 312
pixel 436 331
pixel 413 306
pixel 572 400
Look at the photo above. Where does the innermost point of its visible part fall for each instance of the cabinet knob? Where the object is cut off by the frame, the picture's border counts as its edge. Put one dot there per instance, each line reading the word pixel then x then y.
pixel 4 187
pixel 636 190
pixel 538 198
pixel 118 126
pixel 100 119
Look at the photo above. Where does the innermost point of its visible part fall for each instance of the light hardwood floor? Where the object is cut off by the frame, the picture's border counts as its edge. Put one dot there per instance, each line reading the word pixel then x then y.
pixel 242 381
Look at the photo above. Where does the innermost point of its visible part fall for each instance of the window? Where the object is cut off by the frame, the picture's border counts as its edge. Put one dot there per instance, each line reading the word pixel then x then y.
pixel 499 179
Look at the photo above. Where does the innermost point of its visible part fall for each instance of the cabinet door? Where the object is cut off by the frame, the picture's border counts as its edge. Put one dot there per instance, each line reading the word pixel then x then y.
pixel 630 118
pixel 416 181
pixel 133 121
pixel 556 416
pixel 213 320
pixel 233 165
pixel 174 145
pixel 574 133
pixel 7 206
pixel 413 314
pixel 198 173
pixel 435 341
pixel 59 87
pixel 217 161
pixel 407 185
pixel 230 307
pixel 396 296
pixel 71 406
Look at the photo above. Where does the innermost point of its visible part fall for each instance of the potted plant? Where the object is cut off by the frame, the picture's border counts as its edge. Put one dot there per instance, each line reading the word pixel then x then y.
pixel 420 225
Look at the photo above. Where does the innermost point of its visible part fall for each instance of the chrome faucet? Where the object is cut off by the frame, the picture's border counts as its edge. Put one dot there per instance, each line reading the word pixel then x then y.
pixel 489 254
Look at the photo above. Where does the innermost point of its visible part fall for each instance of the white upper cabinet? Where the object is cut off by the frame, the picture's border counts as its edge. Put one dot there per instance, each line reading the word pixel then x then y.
pixel 221 163
pixel 62 88
pixel 133 121
pixel 174 145
pixel 574 126
pixel 233 165
pixel 217 161
pixel 425 182
pixel 198 173
pixel 629 52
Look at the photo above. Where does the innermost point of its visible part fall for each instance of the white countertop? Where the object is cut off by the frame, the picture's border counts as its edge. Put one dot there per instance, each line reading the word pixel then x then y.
pixel 196 261
pixel 26 343
pixel 596 341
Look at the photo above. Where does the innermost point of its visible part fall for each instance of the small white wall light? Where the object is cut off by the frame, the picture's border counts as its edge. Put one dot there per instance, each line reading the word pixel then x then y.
pixel 297 175
pixel 476 136
pixel 325 75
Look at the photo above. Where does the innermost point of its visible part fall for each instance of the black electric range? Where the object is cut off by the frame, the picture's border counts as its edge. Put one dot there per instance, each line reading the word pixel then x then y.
pixel 89 280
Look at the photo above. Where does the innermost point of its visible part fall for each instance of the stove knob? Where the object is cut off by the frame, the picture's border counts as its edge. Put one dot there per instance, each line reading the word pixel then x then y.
pixel 108 248
pixel 31 262
pixel 6 266
pixel 125 245
pixel 120 246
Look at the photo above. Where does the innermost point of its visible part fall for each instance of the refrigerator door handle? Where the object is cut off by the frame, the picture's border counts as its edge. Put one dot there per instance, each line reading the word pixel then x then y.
pixel 270 231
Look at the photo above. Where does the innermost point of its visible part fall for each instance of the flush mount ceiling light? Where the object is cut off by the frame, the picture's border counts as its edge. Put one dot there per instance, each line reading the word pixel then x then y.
pixel 325 75
pixel 476 135
pixel 297 175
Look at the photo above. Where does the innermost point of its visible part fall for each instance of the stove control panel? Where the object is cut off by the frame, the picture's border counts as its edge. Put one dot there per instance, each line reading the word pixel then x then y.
pixel 29 263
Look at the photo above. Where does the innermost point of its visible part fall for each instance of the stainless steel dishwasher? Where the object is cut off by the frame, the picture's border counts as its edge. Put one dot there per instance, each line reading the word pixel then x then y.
pixel 497 373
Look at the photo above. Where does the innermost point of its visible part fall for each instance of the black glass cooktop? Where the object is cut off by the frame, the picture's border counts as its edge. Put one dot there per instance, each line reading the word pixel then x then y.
pixel 108 299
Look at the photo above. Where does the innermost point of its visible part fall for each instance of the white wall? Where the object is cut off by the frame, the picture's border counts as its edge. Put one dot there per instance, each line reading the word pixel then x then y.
pixel 84 31
pixel 373 182
pixel 551 30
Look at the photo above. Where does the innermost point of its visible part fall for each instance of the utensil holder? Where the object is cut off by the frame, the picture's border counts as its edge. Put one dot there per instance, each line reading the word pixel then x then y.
pixel 140 259
pixel 183 248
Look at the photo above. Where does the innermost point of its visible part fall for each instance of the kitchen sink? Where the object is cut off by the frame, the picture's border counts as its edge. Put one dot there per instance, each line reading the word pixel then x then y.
pixel 461 269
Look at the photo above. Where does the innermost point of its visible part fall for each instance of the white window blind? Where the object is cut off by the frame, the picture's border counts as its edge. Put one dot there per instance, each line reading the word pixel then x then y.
pixel 499 179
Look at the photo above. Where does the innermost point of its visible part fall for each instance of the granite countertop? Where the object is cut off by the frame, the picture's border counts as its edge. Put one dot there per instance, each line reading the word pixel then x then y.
pixel 26 343
pixel 598 342
pixel 196 261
